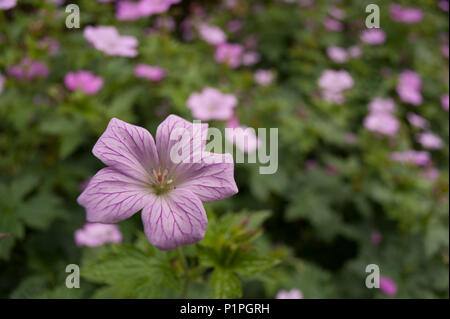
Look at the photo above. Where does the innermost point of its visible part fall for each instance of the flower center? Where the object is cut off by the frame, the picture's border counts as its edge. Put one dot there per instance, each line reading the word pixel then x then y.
pixel 161 182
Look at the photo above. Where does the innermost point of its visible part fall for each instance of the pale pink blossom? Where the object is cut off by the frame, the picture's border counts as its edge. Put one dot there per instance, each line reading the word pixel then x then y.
pixel 332 25
pixel 289 294
pixel 167 186
pixel 97 234
pixel 84 81
pixel 373 36
pixel 430 140
pixel 333 83
pixel 417 120
pixel 211 104
pixel 382 123
pixel 7 4
pixel 2 82
pixel 431 174
pixel 408 87
pixel 243 137
pixel 264 77
pixel 405 15
pixel 382 105
pixel 212 34
pixel 355 51
pixel 337 54
pixel 229 54
pixel 420 158
pixel 108 40
pixel 250 58
pixel 445 101
pixel 149 72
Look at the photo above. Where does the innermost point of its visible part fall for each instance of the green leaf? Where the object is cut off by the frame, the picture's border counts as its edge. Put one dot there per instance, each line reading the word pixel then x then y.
pixel 225 284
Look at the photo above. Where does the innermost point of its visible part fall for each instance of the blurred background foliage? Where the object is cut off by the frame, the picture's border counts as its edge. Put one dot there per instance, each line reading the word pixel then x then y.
pixel 312 227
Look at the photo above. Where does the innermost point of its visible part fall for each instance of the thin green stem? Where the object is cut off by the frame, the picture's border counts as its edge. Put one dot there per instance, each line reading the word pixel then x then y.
pixel 185 273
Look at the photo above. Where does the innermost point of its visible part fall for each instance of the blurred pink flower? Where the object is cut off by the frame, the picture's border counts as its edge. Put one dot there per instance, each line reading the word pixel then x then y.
pixel 211 104
pixel 332 25
pixel 382 123
pixel 7 4
pixel 2 83
pixel 49 44
pixel 408 87
pixel 250 58
pixel 234 26
pixel 373 36
pixel 337 13
pixel 149 72
pixel 84 81
pixel 420 158
pixel 212 34
pixel 333 83
pixel 443 5
pixel 289 294
pixel 28 69
pixel 404 14
pixel 445 101
pixel 243 137
pixel 444 50
pixel 417 120
pixel 134 10
pixel 388 286
pixel 354 51
pixel 430 140
pixel 337 54
pixel 376 238
pixel 97 234
pixel 108 40
pixel 431 174
pixel 229 54
pixel 264 77
pixel 382 105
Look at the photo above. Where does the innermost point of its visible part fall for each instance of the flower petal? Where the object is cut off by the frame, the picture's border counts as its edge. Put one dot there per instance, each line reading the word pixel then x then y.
pixel 111 196
pixel 168 138
pixel 174 220
pixel 128 148
pixel 212 179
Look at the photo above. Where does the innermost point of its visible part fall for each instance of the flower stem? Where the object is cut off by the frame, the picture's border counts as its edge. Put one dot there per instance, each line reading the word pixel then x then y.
pixel 185 273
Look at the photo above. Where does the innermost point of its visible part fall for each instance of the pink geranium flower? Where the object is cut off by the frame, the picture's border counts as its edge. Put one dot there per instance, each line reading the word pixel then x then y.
pixel 417 120
pixel 264 77
pixel 373 36
pixel 405 15
pixel 149 72
pixel 388 286
pixel 84 81
pixel 408 87
pixel 420 158
pixel 290 294
pixel 168 186
pixel 28 70
pixel 250 58
pixel 333 83
pixel 381 123
pixel 211 34
pixel 7 4
pixel 243 137
pixel 337 54
pixel 97 234
pixel 108 40
pixel 2 83
pixel 211 104
pixel 445 101
pixel 229 53
pixel 430 140
pixel 332 25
